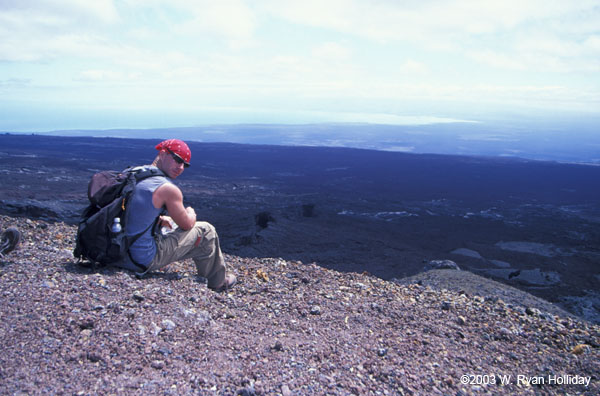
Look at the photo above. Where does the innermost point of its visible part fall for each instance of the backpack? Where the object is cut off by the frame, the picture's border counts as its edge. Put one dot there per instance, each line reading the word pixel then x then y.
pixel 109 193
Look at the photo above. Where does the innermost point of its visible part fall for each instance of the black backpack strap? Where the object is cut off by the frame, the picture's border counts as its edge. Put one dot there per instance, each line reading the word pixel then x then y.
pixel 142 267
pixel 142 174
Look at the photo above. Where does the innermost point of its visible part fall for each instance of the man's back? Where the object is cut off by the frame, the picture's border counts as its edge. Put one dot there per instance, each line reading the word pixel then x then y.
pixel 141 216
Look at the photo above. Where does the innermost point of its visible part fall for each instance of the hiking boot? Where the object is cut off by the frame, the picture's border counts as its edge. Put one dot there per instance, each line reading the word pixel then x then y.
pixel 9 240
pixel 227 284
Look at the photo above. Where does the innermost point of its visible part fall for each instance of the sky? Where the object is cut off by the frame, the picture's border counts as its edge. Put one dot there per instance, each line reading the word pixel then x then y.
pixel 69 64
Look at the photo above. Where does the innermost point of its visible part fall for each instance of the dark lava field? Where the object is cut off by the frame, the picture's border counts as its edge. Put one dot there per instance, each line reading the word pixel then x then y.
pixel 531 224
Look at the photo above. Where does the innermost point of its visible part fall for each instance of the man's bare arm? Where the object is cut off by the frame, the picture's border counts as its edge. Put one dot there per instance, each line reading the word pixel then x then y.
pixel 170 196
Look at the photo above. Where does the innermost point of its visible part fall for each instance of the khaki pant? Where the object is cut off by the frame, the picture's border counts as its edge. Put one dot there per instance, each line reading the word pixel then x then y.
pixel 201 244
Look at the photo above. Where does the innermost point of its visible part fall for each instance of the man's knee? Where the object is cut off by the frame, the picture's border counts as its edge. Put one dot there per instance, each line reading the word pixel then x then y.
pixel 206 229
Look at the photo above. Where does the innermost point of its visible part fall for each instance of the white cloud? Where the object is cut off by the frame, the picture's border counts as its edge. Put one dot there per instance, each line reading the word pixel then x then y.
pixel 204 51
pixel 332 51
pixel 489 31
pixel 39 30
pixel 231 20
pixel 413 67
pixel 497 60
pixel 548 44
pixel 98 75
pixel 58 14
pixel 14 82
pixel 592 43
pixel 543 51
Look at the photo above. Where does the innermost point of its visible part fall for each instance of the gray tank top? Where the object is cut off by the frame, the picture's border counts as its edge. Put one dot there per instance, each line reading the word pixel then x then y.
pixel 141 214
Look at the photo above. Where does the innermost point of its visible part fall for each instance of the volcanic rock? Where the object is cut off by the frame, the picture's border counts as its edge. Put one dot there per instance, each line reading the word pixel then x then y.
pixel 371 337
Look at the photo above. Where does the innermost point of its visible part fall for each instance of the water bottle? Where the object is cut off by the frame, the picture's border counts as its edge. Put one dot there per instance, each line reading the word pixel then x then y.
pixel 116 227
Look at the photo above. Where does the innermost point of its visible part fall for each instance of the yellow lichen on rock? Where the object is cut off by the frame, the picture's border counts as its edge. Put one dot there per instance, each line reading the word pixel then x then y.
pixel 580 349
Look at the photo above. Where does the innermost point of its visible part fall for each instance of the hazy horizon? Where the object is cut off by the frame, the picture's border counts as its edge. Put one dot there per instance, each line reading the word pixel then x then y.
pixel 108 64
pixel 569 141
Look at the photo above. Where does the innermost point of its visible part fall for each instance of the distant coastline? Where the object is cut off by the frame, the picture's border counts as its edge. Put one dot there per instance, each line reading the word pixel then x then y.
pixel 545 143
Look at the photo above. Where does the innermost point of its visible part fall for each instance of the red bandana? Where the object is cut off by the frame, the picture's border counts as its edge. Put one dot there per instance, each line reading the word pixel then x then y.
pixel 178 147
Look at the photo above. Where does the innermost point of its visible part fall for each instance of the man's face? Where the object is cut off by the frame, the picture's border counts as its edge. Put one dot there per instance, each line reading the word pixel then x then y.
pixel 173 165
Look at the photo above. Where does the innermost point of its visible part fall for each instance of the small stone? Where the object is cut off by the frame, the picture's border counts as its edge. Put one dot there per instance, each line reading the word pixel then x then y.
pixel 520 310
pixel 164 351
pixel 202 280
pixel 315 310
pixel 93 357
pixel 285 390
pixel 86 323
pixel 156 329
pixel 580 349
pixel 130 313
pixel 203 318
pixel 532 311
pixel 442 264
pixel 461 320
pixel 168 324
pixel 447 305
pixel 278 346
pixel 548 317
pixel 247 391
pixel 504 334
pixel 325 379
pixel 381 352
pixel 137 295
pixel 157 364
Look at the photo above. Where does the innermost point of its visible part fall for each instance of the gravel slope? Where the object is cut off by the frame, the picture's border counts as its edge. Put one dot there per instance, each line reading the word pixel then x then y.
pixel 288 328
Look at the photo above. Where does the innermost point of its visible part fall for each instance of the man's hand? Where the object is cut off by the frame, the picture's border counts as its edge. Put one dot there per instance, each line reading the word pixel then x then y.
pixel 166 221
pixel 191 212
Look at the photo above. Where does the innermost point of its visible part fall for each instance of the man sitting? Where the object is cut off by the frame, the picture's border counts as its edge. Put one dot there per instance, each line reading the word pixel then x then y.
pixel 157 196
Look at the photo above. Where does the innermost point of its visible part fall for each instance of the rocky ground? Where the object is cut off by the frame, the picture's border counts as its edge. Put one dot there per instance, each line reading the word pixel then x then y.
pixel 287 328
